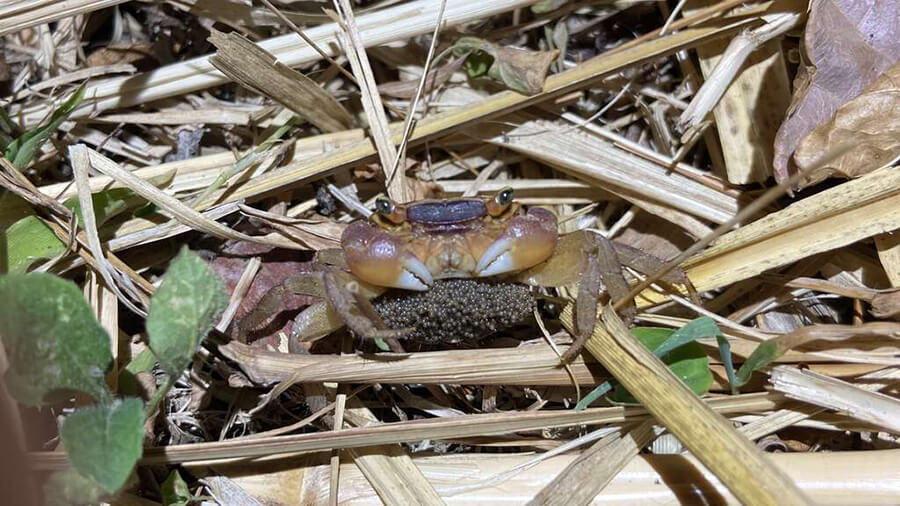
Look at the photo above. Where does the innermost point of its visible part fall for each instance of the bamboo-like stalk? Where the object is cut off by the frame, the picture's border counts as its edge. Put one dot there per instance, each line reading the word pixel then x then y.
pixel 525 365
pixel 584 478
pixel 829 478
pixel 873 407
pixel 710 437
pixel 833 218
pixel 20 14
pixel 390 470
pixel 413 430
pixel 396 23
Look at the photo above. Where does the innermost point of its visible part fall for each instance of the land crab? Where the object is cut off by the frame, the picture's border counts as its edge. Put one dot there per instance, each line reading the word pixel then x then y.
pixel 449 259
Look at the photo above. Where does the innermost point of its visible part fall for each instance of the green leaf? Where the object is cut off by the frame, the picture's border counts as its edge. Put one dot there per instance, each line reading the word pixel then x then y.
pixel 691 331
pixel 725 353
pixel 593 395
pixel 107 204
pixel 104 442
pixel 143 362
pixel 22 150
pixel 175 491
pixel 52 338
pixel 183 310
pixel 764 354
pixel 688 362
pixel 67 487
pixel 27 241
pixel 478 64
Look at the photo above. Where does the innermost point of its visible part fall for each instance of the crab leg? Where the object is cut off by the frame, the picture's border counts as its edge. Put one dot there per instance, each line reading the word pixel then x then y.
pixel 603 269
pixel 342 298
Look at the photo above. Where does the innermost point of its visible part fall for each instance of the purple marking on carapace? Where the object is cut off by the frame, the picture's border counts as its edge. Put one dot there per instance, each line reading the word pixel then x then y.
pixel 446 212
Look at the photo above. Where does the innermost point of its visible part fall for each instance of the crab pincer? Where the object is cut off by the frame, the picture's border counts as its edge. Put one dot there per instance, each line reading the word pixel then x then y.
pixel 381 258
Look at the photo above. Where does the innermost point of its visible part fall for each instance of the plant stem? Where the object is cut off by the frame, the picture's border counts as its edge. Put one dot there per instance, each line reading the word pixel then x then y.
pixel 159 395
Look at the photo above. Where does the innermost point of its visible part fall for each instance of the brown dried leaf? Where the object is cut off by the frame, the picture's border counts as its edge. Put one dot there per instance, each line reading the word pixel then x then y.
pixel 870 123
pixel 254 67
pixel 128 52
pixel 520 69
pixel 886 305
pixel 436 77
pixel 848 44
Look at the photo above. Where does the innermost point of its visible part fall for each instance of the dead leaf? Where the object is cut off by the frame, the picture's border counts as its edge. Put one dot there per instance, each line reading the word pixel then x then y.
pixel 870 124
pixel 886 305
pixel 254 67
pixel 436 78
pixel 519 69
pixel 422 190
pixel 848 44
pixel 277 266
pixel 522 70
pixel 115 54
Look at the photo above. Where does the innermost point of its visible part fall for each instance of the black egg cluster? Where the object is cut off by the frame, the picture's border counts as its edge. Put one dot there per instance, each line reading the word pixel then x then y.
pixel 456 310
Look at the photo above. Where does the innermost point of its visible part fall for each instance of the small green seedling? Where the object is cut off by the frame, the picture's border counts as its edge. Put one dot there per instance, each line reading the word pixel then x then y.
pixel 57 347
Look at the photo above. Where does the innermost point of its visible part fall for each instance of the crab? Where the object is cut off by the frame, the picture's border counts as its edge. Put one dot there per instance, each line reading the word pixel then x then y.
pixel 436 245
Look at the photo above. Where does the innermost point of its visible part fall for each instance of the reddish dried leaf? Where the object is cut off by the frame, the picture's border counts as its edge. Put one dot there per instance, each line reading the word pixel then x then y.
pixel 277 265
pixel 868 124
pixel 848 44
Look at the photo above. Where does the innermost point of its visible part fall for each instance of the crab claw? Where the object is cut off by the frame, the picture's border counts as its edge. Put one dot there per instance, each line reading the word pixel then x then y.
pixel 380 258
pixel 527 241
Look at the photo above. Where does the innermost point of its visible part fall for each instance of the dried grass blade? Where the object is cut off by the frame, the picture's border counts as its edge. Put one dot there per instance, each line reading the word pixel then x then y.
pixel 371 100
pixel 252 66
pixel 587 476
pixel 19 15
pixel 185 117
pixel 79 157
pixel 414 430
pixel 833 218
pixel 170 204
pixel 389 469
pixel 740 48
pixel 595 159
pixel 831 393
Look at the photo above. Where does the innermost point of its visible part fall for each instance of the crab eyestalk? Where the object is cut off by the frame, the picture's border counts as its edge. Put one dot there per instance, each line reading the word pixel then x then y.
pixel 381 259
pixel 528 240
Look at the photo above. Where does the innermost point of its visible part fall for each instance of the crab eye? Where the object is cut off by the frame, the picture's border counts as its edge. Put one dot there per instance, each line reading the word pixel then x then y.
pixel 501 201
pixel 504 197
pixel 384 206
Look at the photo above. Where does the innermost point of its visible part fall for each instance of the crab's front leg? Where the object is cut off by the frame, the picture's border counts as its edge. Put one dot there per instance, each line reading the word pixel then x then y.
pixel 355 309
pixel 603 268
pixel 345 301
pixel 591 261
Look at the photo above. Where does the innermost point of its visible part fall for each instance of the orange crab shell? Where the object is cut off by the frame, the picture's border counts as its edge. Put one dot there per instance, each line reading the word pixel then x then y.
pixel 422 241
